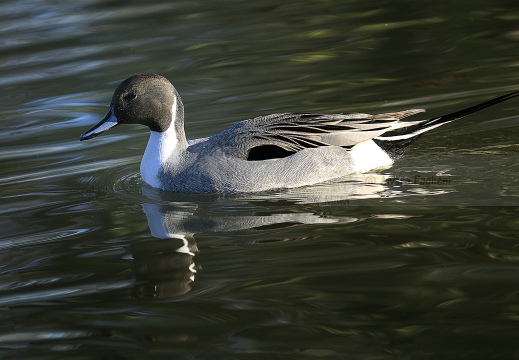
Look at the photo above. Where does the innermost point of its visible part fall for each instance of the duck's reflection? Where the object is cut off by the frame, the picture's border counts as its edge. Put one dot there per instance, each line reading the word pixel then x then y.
pixel 164 267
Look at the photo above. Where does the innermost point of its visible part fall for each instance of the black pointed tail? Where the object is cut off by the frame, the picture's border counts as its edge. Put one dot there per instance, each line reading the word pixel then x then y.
pixel 461 113
pixel 395 143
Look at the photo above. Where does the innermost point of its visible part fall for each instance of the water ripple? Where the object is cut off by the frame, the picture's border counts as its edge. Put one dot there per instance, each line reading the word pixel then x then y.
pixel 39 238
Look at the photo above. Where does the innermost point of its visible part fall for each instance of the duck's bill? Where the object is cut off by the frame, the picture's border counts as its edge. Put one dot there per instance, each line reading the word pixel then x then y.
pixel 108 122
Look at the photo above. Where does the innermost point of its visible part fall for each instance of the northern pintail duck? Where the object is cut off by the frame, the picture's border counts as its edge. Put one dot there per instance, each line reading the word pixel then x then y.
pixel 266 152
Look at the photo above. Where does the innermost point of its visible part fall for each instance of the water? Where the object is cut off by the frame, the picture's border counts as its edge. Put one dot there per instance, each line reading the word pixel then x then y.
pixel 419 261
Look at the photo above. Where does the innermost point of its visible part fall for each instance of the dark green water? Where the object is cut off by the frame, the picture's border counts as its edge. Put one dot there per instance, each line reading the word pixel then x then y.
pixel 420 261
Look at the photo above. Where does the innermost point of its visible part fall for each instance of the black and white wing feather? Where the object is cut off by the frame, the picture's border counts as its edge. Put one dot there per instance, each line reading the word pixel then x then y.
pixel 280 135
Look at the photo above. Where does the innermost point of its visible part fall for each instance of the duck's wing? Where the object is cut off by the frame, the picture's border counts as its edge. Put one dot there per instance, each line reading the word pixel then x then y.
pixel 280 135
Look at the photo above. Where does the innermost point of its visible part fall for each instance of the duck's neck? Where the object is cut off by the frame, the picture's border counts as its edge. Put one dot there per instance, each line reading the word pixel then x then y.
pixel 164 149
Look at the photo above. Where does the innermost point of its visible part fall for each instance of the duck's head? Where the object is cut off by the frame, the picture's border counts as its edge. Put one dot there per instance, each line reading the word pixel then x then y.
pixel 146 99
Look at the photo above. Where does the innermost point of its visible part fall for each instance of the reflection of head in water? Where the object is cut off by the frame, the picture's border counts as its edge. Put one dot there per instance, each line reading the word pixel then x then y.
pixel 163 268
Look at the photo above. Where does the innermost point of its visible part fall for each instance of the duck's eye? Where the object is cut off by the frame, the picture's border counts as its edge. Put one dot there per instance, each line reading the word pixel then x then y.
pixel 130 96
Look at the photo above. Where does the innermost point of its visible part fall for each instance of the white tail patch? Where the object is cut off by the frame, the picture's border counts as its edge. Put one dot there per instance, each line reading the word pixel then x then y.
pixel 367 156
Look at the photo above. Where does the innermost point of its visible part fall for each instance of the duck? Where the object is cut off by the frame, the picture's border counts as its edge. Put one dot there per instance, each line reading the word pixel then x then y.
pixel 282 150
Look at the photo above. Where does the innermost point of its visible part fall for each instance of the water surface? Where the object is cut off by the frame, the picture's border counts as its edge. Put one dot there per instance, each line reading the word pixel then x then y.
pixel 419 261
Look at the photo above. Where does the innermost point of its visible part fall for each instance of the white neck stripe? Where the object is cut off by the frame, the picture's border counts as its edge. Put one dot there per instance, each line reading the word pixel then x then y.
pixel 161 147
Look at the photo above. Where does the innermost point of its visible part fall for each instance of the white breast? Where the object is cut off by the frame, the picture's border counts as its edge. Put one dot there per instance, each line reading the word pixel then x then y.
pixel 159 152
